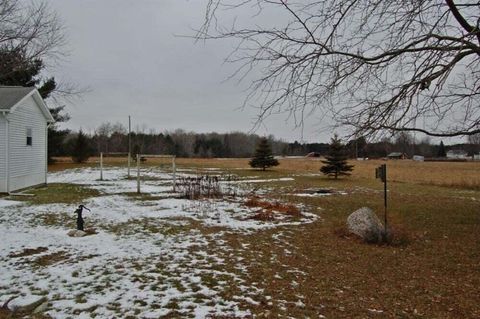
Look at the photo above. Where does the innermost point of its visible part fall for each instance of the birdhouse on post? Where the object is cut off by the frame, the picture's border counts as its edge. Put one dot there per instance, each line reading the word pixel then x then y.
pixel 381 173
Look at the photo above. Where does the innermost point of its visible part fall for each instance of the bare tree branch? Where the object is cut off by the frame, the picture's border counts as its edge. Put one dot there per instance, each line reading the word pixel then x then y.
pixel 372 65
pixel 32 32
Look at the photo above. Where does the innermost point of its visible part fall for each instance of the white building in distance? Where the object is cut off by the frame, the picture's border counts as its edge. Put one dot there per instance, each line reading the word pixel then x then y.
pixel 457 154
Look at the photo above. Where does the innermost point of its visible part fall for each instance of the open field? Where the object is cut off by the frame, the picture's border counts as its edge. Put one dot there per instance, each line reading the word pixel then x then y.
pixel 156 256
pixel 456 174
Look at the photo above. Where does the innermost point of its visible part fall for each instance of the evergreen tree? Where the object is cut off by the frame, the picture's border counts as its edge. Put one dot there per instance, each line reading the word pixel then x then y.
pixel 263 157
pixel 16 69
pixel 136 150
pixel 56 136
pixel 336 160
pixel 81 149
pixel 441 150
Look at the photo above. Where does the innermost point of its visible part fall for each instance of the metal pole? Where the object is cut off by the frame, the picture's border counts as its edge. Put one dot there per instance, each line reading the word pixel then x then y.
pixel 138 173
pixel 174 168
pixel 356 147
pixel 129 144
pixel 101 166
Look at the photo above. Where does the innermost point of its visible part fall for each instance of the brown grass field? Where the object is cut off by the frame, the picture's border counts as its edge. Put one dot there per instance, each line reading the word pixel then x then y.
pixel 433 270
pixel 456 174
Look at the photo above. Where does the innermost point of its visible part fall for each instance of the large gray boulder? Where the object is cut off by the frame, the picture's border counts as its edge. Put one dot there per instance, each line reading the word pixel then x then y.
pixel 27 304
pixel 365 224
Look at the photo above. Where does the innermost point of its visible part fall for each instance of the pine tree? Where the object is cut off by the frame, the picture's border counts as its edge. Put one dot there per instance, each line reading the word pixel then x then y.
pixel 263 157
pixel 336 160
pixel 136 150
pixel 441 150
pixel 16 69
pixel 81 149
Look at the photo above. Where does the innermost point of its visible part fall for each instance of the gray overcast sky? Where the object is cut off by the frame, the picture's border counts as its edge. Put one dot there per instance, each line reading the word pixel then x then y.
pixel 128 54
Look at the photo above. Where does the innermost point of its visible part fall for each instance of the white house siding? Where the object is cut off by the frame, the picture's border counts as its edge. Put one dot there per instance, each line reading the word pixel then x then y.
pixel 3 154
pixel 452 155
pixel 27 163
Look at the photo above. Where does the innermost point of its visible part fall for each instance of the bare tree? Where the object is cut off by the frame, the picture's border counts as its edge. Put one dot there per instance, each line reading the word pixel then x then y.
pixel 474 139
pixel 31 28
pixel 103 133
pixel 374 65
pixel 118 128
pixel 404 143
pixel 32 39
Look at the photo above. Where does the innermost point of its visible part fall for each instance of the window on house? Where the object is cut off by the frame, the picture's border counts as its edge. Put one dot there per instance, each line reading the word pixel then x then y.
pixel 29 136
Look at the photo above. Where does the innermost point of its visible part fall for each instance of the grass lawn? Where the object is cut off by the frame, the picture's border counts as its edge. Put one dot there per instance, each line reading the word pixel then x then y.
pixel 304 269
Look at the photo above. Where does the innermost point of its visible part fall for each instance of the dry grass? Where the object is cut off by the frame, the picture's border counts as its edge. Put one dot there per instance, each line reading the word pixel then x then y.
pixel 449 174
pixel 397 235
pixel 28 252
pixel 456 174
pixel 276 206
pixel 58 193
pixel 432 270
pixel 264 215
pixel 50 259
pixel 267 210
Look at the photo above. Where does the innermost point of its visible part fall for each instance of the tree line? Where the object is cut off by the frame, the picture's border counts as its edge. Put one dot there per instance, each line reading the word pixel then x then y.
pixel 31 33
pixel 114 138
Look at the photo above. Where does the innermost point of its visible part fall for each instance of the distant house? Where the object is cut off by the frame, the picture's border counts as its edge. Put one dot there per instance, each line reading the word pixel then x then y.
pixel 313 154
pixel 24 120
pixel 397 155
pixel 457 154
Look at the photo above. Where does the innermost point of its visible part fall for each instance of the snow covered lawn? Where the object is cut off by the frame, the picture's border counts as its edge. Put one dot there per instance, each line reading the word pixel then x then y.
pixel 153 254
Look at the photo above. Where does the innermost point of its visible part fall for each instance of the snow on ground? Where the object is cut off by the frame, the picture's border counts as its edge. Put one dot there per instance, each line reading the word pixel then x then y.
pixel 283 179
pixel 146 260
pixel 319 193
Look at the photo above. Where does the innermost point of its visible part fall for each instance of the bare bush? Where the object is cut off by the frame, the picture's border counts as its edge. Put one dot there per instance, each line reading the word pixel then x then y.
pixel 197 187
pixel 268 209
pixel 206 186
pixel 205 208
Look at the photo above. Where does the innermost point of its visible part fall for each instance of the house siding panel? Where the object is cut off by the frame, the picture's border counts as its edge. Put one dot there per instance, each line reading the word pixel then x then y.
pixel 3 155
pixel 27 163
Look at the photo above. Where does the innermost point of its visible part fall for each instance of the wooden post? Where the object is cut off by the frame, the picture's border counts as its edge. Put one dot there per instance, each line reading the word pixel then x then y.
pixel 385 194
pixel 174 168
pixel 101 166
pixel 138 173
pixel 381 173
pixel 129 159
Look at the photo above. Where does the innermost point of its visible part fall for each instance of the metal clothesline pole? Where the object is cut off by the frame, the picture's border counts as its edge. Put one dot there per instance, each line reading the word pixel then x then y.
pixel 138 173
pixel 129 144
pixel 101 166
